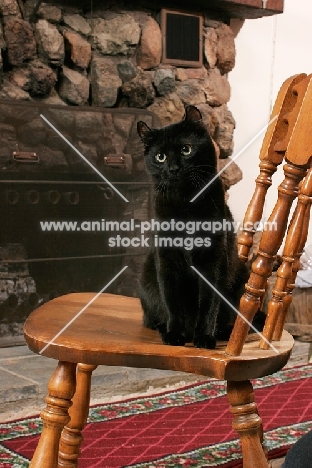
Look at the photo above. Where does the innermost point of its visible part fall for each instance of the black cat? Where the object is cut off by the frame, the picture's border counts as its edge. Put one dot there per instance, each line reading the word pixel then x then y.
pixel 181 160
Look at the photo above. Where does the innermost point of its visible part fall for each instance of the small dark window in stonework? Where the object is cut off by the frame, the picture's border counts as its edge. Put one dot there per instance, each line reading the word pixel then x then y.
pixel 182 38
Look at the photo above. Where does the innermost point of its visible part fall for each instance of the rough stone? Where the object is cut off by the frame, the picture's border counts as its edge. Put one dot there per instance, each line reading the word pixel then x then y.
pixel 191 92
pixel 10 91
pixel 88 126
pixel 64 120
pixel 208 117
pixel 150 47
pixel 78 24
pixel 183 74
pixel 50 43
pixel 139 92
pixel 210 23
pixel 164 81
pixel 169 109
pixel 225 125
pixel 20 41
pixel 217 88
pixel 105 82
pixel 211 46
pixel 36 78
pixel 89 152
pixel 1 68
pixel 9 8
pixel 29 7
pixel 54 99
pixel 33 132
pixel 17 114
pixel 50 13
pixel 78 49
pixel 74 87
pixel 123 124
pixel 231 175
pixel 2 41
pixel 225 48
pixel 126 71
pixel 118 35
pixel 8 142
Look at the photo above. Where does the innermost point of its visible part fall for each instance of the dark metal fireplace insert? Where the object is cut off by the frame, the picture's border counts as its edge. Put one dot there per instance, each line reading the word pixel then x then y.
pixel 44 178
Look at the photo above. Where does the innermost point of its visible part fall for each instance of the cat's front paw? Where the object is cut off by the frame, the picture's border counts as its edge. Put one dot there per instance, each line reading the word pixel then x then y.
pixel 205 341
pixel 173 339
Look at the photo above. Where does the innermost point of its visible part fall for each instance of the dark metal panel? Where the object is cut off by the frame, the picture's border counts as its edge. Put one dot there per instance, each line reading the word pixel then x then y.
pixel 182 38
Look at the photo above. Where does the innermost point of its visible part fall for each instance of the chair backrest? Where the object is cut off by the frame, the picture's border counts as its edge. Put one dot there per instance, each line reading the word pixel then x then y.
pixel 287 138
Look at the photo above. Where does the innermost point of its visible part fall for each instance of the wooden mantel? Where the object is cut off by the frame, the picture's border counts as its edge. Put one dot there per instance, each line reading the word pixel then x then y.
pixel 221 9
pixel 249 8
pixel 235 8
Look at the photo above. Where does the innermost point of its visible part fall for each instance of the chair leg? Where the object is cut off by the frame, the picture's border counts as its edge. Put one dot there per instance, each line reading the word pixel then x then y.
pixel 71 437
pixel 247 423
pixel 60 392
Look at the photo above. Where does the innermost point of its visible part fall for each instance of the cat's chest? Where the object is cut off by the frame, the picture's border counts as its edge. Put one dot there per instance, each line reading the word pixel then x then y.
pixel 180 209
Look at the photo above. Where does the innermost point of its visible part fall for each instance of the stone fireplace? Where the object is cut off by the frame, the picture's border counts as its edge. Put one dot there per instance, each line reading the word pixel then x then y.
pixel 94 69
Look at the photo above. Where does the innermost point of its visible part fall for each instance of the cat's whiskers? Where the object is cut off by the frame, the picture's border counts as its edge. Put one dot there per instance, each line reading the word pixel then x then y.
pixel 163 189
pixel 198 178
pixel 211 199
pixel 202 168
pixel 160 187
pixel 194 180
pixel 204 172
pixel 205 165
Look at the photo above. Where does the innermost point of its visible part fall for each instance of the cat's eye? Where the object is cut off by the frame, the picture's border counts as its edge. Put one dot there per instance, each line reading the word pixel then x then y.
pixel 186 150
pixel 160 157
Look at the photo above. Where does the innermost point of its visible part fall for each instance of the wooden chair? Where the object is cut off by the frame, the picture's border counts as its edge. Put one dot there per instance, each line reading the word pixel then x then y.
pixel 110 331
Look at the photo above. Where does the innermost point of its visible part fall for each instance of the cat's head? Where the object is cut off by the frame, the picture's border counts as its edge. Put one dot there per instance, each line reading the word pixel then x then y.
pixel 180 154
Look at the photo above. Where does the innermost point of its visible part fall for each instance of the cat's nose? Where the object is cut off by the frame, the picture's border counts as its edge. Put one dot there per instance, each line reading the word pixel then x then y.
pixel 174 169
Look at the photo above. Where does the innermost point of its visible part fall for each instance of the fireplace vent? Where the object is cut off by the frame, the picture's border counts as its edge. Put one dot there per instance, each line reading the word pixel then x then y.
pixel 182 38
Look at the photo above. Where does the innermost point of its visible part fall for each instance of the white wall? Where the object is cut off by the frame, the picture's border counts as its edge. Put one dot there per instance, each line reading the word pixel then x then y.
pixel 268 50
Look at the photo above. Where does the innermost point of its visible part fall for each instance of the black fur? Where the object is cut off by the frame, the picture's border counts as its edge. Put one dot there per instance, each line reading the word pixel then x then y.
pixel 175 300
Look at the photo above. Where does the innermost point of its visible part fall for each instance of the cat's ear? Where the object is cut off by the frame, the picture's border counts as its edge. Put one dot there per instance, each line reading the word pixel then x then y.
pixel 192 113
pixel 143 130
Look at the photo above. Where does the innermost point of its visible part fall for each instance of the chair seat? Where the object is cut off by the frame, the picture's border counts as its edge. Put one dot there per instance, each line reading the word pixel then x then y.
pixel 110 332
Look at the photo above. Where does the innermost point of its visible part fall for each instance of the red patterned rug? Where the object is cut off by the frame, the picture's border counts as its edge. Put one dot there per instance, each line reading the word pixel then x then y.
pixel 188 427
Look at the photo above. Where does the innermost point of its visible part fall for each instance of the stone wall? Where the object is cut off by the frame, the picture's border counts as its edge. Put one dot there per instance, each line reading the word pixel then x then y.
pixel 112 58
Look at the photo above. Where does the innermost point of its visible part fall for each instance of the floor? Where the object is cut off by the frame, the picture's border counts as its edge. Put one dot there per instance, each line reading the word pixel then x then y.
pixel 278 463
pixel 24 377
